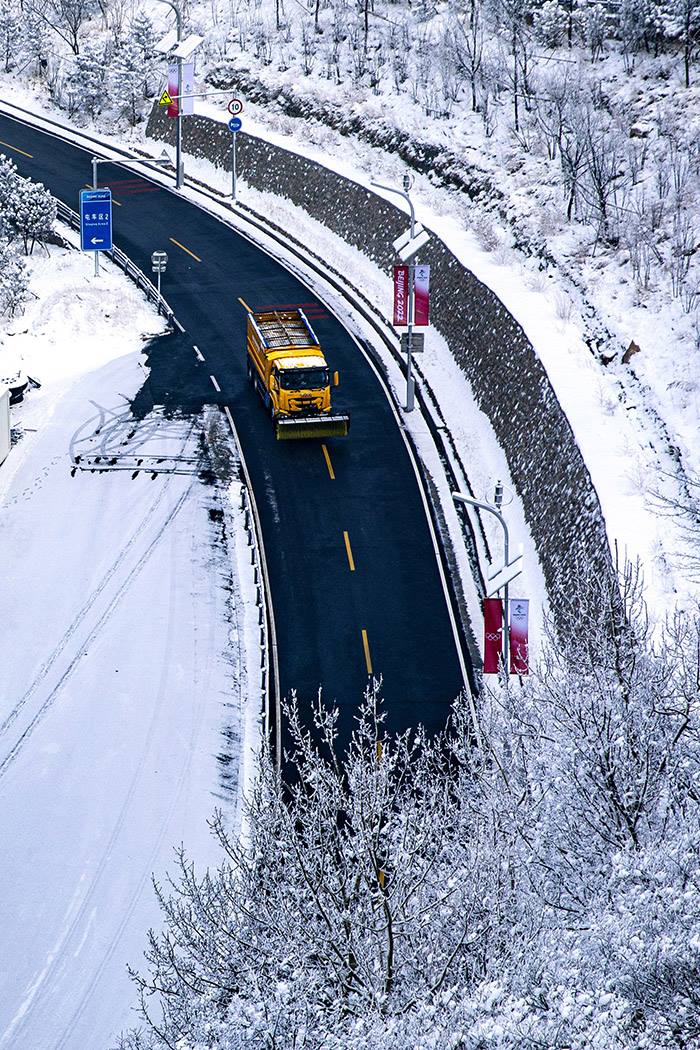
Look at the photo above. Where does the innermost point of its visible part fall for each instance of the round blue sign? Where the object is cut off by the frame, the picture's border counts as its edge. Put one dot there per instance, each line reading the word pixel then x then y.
pixel 235 124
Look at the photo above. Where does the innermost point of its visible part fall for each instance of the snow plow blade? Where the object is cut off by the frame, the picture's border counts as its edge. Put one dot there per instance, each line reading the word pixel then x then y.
pixel 288 428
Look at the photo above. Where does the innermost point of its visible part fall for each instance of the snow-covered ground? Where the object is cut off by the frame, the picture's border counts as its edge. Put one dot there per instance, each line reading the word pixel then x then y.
pixel 120 663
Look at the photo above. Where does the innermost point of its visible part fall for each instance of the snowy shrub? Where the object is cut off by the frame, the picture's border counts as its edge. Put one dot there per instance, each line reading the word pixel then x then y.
pixel 8 178
pixel 551 22
pixel 591 19
pixel 29 211
pixel 14 280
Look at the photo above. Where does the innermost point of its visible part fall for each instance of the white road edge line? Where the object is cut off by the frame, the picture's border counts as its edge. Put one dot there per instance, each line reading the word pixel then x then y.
pixel 198 352
pixel 216 385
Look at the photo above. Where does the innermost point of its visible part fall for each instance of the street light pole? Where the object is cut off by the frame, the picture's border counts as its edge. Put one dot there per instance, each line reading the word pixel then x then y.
pixel 179 175
pixel 459 498
pixel 95 162
pixel 410 385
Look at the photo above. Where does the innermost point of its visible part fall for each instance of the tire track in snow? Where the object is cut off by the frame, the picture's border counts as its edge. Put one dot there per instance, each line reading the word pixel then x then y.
pixel 147 870
pixel 79 923
pixel 96 594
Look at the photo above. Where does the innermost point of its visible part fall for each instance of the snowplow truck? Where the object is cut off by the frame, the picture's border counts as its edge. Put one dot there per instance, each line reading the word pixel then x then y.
pixel 285 362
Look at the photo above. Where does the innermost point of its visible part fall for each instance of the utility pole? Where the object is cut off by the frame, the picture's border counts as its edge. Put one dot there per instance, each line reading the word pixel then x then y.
pixel 408 247
pixel 94 186
pixel 179 175
pixel 411 289
pixel 496 511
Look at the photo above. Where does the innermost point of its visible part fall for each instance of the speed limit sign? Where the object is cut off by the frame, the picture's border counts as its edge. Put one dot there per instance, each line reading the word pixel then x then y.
pixel 235 107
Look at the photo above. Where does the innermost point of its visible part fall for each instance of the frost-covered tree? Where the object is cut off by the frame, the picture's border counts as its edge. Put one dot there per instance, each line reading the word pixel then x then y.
pixel 35 44
pixel 551 23
pixel 30 211
pixel 86 84
pixel 10 33
pixel 682 22
pixel 592 20
pixel 127 80
pixel 143 37
pixel 512 25
pixel 8 177
pixel 345 904
pixel 537 889
pixel 65 17
pixel 466 34
pixel 14 279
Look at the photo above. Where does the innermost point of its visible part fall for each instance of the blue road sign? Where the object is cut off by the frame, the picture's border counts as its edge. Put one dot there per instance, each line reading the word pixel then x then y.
pixel 235 124
pixel 96 220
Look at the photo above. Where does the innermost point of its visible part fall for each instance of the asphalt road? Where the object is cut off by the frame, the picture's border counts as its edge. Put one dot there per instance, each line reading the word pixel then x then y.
pixel 355 583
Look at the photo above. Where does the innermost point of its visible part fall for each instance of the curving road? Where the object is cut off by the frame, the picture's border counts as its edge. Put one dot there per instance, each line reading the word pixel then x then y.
pixel 354 578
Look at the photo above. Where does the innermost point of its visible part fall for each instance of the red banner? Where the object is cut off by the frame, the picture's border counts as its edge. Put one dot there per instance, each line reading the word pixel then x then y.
pixel 400 295
pixel 519 636
pixel 493 635
pixel 421 295
pixel 172 109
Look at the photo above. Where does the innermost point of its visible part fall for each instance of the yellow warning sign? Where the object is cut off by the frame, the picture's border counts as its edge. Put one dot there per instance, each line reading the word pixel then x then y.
pixel 165 100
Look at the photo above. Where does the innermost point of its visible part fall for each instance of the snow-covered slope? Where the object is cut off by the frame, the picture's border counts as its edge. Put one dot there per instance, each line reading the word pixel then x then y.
pixel 119 661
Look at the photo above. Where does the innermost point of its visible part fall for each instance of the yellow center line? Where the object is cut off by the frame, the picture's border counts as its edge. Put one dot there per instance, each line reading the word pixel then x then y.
pixel 244 304
pixel 349 550
pixel 16 149
pixel 365 645
pixel 185 249
pixel 328 462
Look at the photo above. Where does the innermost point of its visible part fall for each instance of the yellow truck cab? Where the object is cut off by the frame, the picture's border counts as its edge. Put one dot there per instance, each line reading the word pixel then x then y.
pixel 286 364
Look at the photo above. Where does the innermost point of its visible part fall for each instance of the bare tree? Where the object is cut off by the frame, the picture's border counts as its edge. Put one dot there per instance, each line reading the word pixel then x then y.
pixel 466 36
pixel 65 17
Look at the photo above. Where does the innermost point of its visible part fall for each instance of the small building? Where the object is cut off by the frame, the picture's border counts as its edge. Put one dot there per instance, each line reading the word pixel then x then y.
pixel 4 422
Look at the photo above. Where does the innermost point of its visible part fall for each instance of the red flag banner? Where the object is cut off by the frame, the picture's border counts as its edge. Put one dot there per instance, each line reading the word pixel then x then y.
pixel 519 608
pixel 421 295
pixel 400 295
pixel 493 634
pixel 172 109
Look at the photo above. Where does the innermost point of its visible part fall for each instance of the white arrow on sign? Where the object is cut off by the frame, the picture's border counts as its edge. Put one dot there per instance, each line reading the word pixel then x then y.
pixel 97 240
pixel 504 575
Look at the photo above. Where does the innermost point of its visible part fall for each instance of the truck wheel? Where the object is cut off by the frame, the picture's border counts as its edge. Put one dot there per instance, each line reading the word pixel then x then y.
pixel 249 369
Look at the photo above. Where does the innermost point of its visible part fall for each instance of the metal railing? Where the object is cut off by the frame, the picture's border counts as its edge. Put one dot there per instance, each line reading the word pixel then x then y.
pixel 269 666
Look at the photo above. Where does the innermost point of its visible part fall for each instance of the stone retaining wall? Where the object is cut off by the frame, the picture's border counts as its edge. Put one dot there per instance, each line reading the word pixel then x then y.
pixel 508 380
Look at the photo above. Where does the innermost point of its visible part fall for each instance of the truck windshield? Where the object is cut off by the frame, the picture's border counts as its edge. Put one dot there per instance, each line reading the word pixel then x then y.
pixel 303 378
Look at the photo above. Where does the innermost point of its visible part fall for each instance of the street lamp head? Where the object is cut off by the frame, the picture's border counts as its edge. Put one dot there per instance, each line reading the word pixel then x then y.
pixel 498 495
pixel 407 182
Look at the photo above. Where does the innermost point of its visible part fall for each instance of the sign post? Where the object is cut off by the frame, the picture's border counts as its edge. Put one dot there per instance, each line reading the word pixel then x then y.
pixel 159 260
pixel 96 222
pixel 235 124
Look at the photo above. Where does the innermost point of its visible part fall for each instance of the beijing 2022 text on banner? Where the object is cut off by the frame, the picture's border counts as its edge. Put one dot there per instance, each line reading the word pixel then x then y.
pixel 519 608
pixel 400 295
pixel 421 295
pixel 493 634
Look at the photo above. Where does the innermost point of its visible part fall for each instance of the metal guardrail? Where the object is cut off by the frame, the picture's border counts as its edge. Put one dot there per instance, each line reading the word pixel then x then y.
pixel 269 665
pixel 72 219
